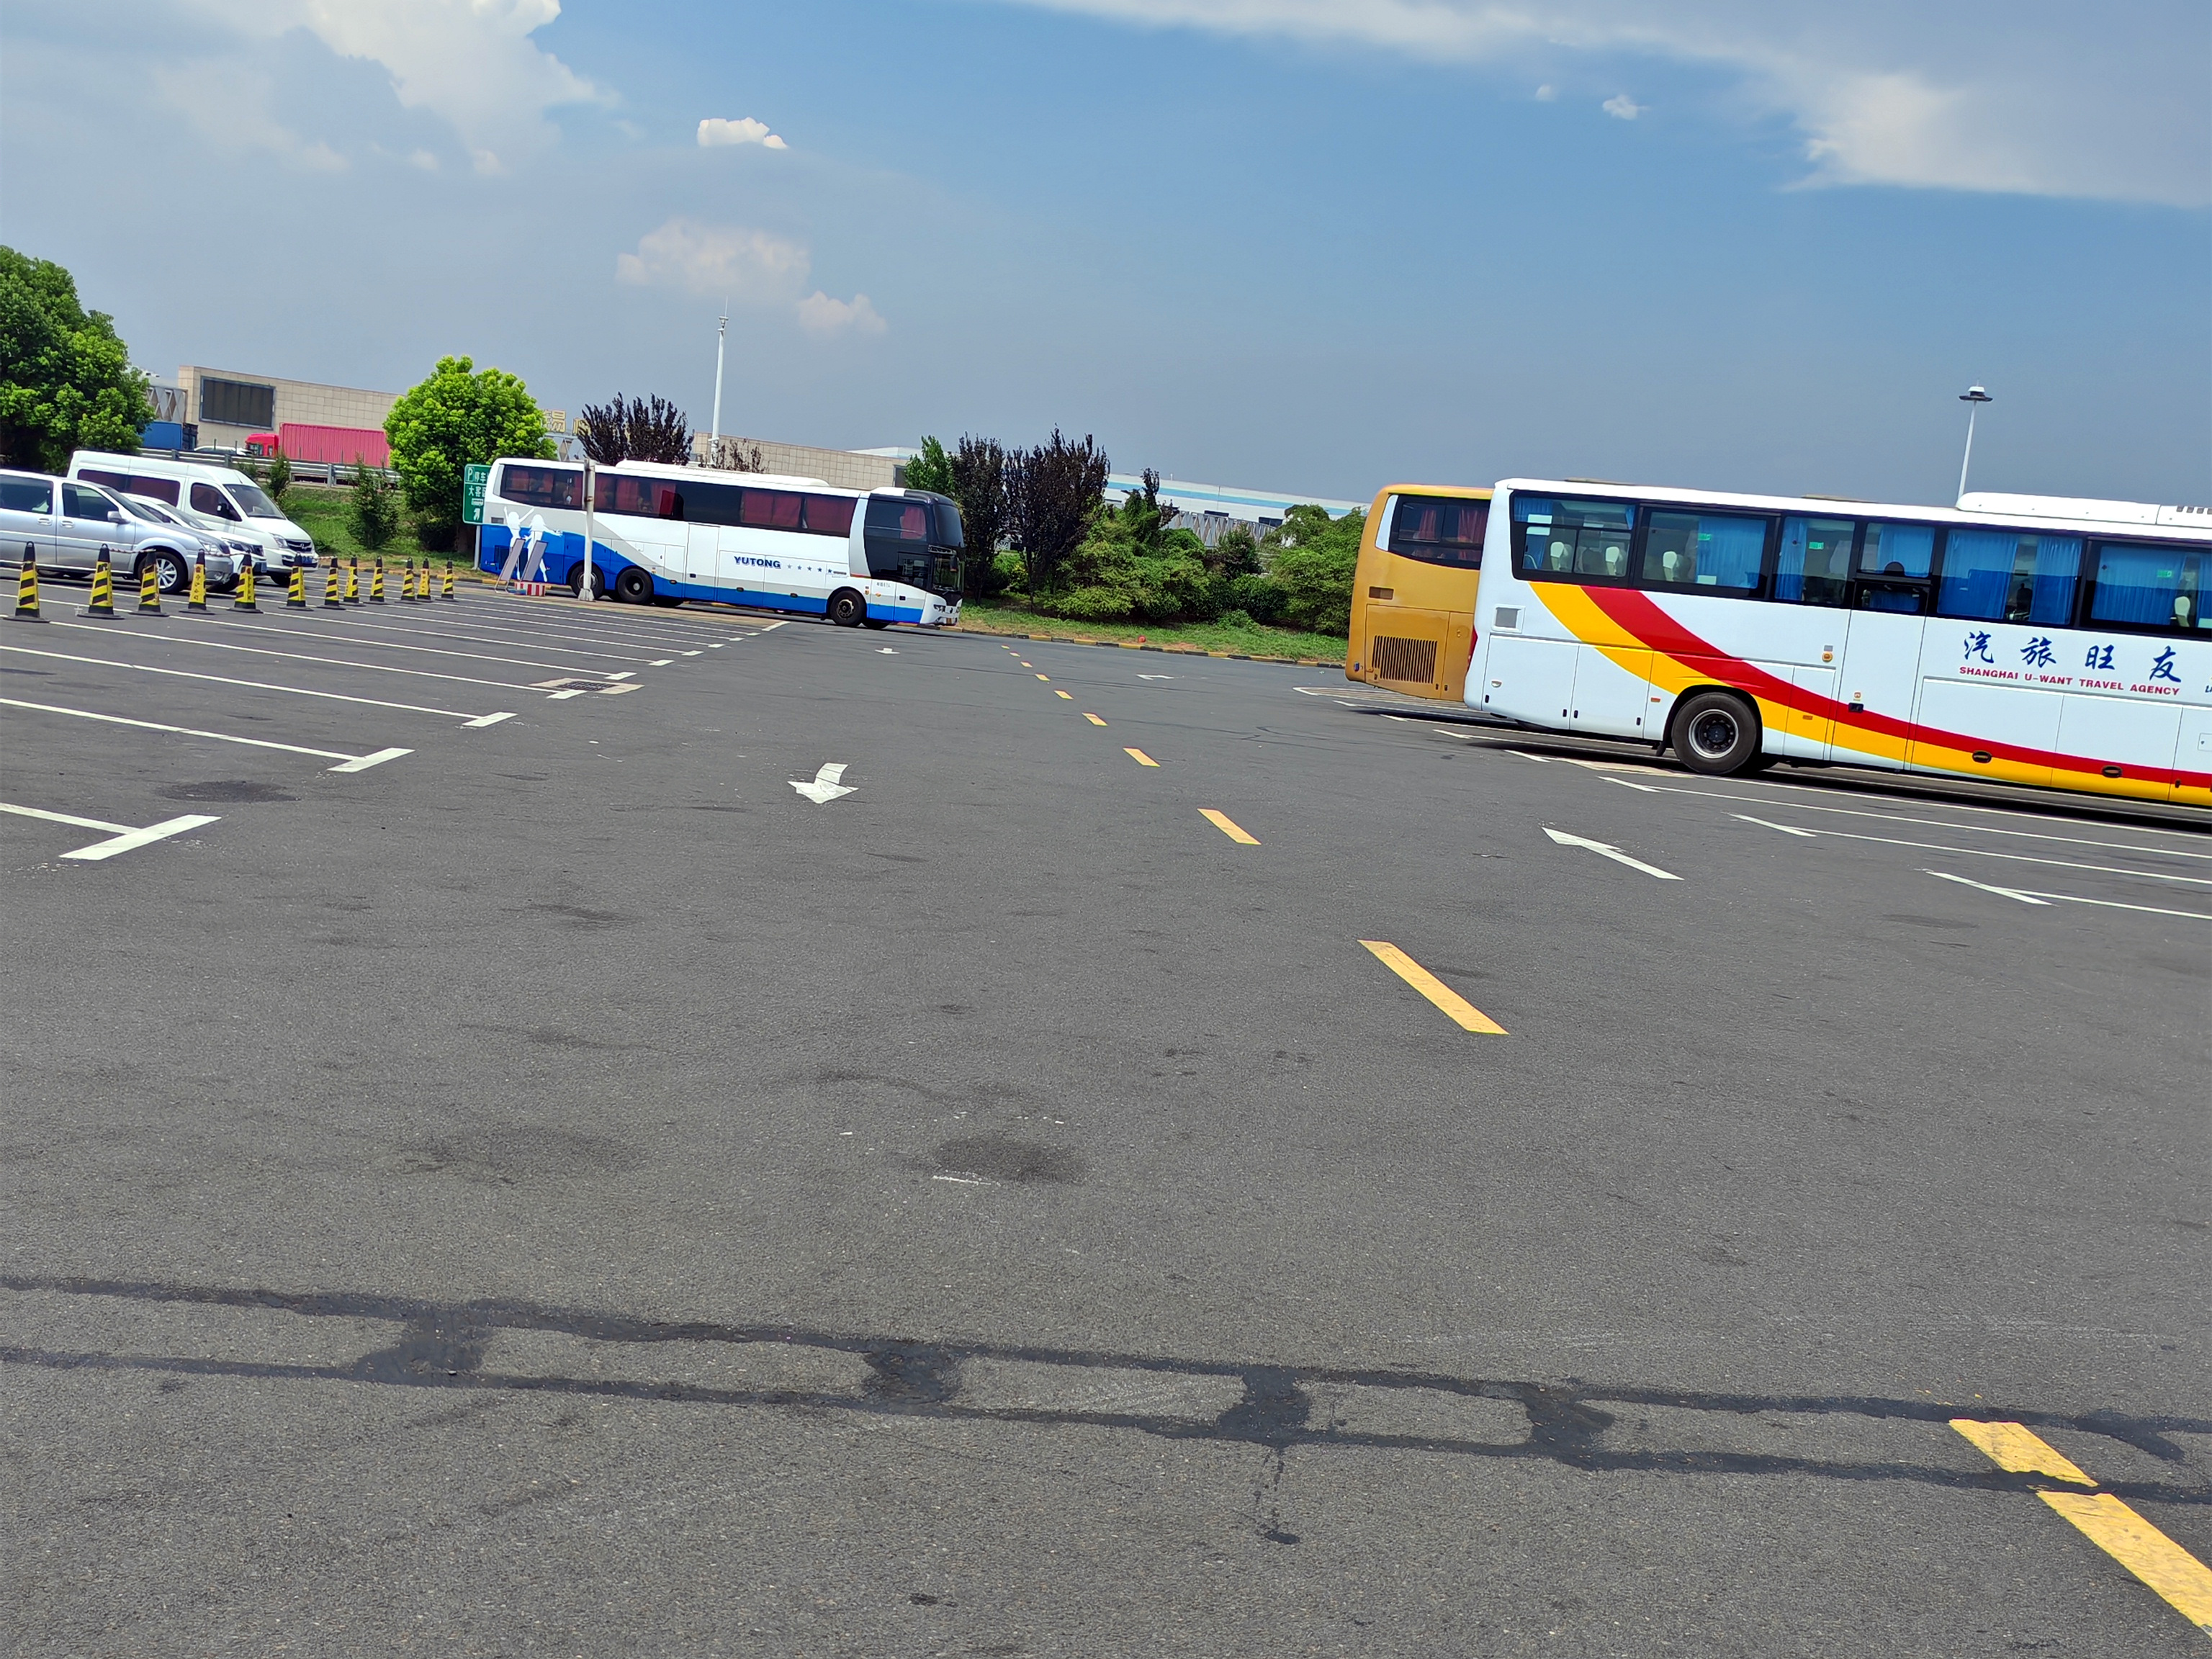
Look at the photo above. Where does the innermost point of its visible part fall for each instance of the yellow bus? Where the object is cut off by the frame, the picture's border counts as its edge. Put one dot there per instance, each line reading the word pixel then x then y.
pixel 1413 596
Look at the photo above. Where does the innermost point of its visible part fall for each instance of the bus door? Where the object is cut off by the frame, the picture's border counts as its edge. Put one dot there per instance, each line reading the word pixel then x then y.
pixel 1881 669
pixel 1812 575
pixel 701 554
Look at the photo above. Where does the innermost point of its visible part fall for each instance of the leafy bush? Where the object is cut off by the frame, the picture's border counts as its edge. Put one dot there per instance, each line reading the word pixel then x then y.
pixel 1257 596
pixel 1315 559
pixel 1236 619
pixel 372 514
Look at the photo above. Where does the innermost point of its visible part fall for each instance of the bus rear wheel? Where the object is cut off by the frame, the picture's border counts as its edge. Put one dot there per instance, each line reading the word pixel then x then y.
pixel 598 582
pixel 1716 734
pixel 848 608
pixel 634 586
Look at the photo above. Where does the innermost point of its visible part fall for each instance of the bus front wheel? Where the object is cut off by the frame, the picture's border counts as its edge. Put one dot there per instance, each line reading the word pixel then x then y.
pixel 598 582
pixel 1716 734
pixel 848 608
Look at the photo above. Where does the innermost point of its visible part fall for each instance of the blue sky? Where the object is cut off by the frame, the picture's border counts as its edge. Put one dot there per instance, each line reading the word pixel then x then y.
pixel 1311 244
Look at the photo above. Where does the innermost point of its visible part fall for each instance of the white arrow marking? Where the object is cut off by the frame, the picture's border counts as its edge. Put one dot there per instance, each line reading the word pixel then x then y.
pixel 1786 829
pixel 2002 892
pixel 825 787
pixel 1647 788
pixel 1613 853
pixel 1141 677
pixel 885 651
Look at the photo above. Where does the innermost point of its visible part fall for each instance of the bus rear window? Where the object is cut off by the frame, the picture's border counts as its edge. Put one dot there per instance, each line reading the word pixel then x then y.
pixel 1438 530
pixel 541 486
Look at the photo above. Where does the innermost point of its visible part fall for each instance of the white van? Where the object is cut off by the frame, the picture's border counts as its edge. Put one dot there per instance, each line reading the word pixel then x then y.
pixel 218 496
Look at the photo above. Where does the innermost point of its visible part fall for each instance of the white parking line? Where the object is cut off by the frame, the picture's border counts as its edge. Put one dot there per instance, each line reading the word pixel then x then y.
pixel 365 761
pixel 482 720
pixel 389 644
pixel 122 837
pixel 254 685
pixel 1991 853
pixel 2028 896
pixel 491 636
pixel 354 762
pixel 1787 829
pixel 302 656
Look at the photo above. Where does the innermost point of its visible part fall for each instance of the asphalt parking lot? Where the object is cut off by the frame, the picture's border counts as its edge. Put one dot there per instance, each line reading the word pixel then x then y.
pixel 546 1129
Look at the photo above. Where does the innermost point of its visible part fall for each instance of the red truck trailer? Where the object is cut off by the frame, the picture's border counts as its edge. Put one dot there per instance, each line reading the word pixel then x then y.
pixel 344 445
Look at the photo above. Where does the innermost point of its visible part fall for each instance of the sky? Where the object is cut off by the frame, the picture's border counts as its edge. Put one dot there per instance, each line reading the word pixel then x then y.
pixel 1311 245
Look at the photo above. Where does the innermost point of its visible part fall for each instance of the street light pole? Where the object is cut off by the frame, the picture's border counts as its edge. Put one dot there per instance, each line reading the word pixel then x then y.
pixel 591 490
pixel 1973 396
pixel 715 426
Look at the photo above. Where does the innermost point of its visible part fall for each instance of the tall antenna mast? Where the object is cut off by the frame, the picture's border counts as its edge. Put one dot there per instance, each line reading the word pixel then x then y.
pixel 714 433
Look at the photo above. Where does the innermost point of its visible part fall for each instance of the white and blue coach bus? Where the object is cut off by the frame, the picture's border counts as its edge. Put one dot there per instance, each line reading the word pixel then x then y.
pixel 665 534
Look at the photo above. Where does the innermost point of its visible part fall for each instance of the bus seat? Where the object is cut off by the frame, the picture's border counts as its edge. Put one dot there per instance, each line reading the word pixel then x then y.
pixel 1559 551
pixel 1613 561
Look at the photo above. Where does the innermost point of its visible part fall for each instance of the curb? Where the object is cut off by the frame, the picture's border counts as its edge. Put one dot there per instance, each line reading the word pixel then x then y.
pixel 1132 645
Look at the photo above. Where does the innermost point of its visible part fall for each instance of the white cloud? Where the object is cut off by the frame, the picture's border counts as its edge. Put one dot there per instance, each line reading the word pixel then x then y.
pixel 1546 92
pixel 2045 97
pixel 714 131
pixel 819 314
pixel 471 63
pixel 1622 107
pixel 244 118
pixel 718 261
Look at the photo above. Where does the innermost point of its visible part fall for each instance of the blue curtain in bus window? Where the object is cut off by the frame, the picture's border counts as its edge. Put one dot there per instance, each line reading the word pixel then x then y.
pixel 1897 549
pixel 2001 575
pixel 1707 550
pixel 2159 586
pixel 1815 562
pixel 1568 537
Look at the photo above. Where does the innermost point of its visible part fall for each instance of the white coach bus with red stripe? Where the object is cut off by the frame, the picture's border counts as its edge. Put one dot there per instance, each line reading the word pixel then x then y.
pixel 2037 640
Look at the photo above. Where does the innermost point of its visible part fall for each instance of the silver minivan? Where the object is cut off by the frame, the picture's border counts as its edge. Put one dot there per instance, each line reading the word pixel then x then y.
pixel 64 522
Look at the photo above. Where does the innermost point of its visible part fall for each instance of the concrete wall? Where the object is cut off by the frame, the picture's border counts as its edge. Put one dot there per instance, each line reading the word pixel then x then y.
pixel 303 401
pixel 842 467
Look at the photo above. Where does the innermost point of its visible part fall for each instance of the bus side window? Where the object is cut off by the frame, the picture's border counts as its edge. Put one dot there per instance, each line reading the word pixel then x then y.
pixel 2001 576
pixel 1815 566
pixel 2150 587
pixel 1898 550
pixel 1704 549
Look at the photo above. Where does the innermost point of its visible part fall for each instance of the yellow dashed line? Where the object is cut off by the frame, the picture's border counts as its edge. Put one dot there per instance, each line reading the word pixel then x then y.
pixel 1094 719
pixel 1457 1007
pixel 1042 676
pixel 1057 692
pixel 1228 826
pixel 2103 1519
pixel 1137 755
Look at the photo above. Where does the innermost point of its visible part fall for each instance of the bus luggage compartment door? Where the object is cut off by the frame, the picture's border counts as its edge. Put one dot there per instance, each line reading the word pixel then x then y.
pixel 2126 733
pixel 1531 680
pixel 1611 691
pixel 702 553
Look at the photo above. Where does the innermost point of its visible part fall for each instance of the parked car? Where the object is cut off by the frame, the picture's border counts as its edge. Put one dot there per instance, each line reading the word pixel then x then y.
pixel 166 529
pixel 218 496
pixel 66 521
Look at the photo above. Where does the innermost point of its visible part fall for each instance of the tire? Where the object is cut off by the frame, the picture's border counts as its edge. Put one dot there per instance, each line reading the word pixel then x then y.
pixel 173 574
pixel 634 586
pixel 848 608
pixel 668 601
pixel 1716 734
pixel 879 622
pixel 598 582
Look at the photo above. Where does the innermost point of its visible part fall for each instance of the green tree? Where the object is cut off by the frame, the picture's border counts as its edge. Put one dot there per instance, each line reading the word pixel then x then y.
pixel 459 417
pixel 66 381
pixel 930 469
pixel 1313 560
pixel 979 485
pixel 273 474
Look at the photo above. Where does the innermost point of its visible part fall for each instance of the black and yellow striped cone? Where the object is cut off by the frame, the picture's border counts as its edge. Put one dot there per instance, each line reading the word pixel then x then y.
pixel 245 600
pixel 353 582
pixel 446 582
pixel 295 590
pixel 376 582
pixel 330 586
pixel 26 587
pixel 150 589
pixel 196 600
pixel 407 583
pixel 103 603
